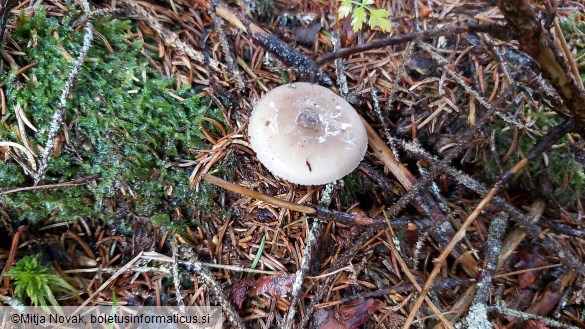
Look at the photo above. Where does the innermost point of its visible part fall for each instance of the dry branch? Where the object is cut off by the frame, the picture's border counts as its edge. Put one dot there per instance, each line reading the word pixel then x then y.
pixel 499 30
pixel 477 317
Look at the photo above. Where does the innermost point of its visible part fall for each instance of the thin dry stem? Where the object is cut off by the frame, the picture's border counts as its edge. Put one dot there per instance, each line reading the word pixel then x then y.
pixel 59 113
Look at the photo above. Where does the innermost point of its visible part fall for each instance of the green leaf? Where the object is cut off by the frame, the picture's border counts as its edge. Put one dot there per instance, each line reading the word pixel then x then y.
pixel 358 18
pixel 378 17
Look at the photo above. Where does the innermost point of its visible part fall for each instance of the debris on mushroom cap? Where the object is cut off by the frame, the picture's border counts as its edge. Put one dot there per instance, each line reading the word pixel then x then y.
pixel 307 134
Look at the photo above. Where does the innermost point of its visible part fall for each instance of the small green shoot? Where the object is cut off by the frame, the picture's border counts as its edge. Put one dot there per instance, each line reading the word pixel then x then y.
pixel 36 282
pixel 258 253
pixel 114 308
pixel 361 11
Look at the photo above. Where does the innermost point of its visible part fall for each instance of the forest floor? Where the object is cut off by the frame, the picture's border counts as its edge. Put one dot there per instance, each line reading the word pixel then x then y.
pixel 127 169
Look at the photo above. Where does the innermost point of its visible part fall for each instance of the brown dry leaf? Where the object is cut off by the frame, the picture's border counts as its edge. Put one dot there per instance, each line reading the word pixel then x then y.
pixel 240 291
pixel 548 300
pixel 535 324
pixel 528 260
pixel 424 11
pixel 347 34
pixel 306 34
pixel 347 237
pixel 348 316
pixel 275 285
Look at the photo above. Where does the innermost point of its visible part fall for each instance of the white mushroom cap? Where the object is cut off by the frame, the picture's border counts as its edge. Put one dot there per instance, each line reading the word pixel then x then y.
pixel 307 134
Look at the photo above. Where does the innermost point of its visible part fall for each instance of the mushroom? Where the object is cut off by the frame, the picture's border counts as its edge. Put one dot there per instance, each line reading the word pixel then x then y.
pixel 307 134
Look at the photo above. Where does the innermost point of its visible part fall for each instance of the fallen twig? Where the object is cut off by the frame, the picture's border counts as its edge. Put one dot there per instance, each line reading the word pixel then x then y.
pixel 75 182
pixel 312 241
pixel 477 317
pixel 496 29
pixel 439 285
pixel 57 120
pixel 339 263
pixel 437 165
pixel 225 46
pixel 412 279
pixel 319 212
pixel 503 309
pixel 175 274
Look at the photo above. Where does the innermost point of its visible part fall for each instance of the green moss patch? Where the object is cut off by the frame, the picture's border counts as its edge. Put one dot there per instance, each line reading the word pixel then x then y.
pixel 123 122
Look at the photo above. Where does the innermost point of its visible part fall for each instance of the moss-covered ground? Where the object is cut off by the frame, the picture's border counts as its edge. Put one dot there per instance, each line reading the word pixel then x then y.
pixel 124 122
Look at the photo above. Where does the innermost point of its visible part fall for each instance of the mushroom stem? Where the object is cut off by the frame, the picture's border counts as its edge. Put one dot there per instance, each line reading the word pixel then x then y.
pixel 259 196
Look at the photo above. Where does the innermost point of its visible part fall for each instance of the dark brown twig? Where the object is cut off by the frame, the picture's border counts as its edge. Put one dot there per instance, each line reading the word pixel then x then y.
pixel 290 56
pixel 319 212
pixel 339 263
pixel 437 165
pixel 205 275
pixel 499 30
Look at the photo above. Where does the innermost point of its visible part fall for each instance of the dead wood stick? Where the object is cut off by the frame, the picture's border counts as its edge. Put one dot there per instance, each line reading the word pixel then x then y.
pixel 290 56
pixel 441 259
pixel 287 54
pixel 57 121
pixel 311 248
pixel 501 308
pixel 437 165
pixel 227 49
pixel 169 37
pixel 499 30
pixel 412 279
pixel 337 264
pixel 477 316
pixel 206 276
pixel 439 285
